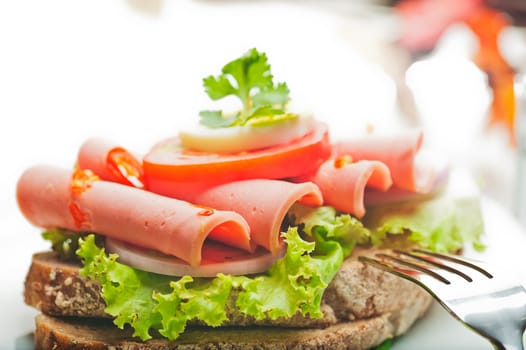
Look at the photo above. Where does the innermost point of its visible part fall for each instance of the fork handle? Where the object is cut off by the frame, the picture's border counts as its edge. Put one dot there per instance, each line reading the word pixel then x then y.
pixel 509 339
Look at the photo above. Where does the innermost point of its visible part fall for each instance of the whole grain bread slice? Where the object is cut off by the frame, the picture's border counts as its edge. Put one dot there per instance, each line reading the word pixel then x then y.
pixel 357 292
pixel 97 334
pixel 362 307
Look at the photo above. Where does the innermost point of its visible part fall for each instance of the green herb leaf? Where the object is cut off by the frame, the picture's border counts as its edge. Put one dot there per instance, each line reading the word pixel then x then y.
pixel 262 117
pixel 272 96
pixel 250 79
pixel 218 87
pixel 215 119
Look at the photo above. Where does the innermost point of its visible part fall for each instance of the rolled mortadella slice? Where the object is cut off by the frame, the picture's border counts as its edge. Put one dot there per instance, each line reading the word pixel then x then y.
pixel 110 162
pixel 398 151
pixel 54 197
pixel 433 175
pixel 342 183
pixel 262 202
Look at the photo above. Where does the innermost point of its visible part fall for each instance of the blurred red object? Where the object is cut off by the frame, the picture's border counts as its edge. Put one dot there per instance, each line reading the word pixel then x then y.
pixel 424 21
pixel 487 24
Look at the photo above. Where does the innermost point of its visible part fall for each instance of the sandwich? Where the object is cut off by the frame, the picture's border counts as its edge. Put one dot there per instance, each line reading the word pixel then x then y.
pixel 241 233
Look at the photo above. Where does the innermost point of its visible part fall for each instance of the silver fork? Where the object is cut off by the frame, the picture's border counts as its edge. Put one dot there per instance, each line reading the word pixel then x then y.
pixel 488 302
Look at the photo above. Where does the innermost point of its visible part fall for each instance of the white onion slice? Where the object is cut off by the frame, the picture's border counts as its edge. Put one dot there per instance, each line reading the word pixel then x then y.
pixel 216 258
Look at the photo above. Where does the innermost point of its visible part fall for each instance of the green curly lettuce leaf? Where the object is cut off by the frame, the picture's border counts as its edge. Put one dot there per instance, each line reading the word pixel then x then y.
pixel 441 224
pixel 326 224
pixel 203 299
pixel 63 242
pixel 293 284
pixel 317 244
pixel 150 302
pixel 446 222
pixel 126 291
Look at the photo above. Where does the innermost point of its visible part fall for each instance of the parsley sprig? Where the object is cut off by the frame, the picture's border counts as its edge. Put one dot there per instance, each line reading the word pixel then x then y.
pixel 250 79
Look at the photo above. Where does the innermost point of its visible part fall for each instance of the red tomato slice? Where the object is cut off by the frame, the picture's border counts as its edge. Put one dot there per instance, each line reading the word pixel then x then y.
pixel 168 162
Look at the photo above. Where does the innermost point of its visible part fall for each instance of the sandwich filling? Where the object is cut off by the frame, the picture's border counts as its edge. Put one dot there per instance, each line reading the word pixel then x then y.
pixel 173 236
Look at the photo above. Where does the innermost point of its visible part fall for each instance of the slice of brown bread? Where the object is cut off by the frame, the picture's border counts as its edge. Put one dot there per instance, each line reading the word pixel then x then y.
pixel 357 292
pixel 363 306
pixel 96 334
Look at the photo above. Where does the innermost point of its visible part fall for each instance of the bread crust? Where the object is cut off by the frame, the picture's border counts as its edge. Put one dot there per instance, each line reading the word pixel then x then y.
pixel 55 287
pixel 357 292
pixel 96 334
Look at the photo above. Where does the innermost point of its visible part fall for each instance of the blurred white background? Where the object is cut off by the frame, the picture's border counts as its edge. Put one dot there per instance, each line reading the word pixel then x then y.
pixel 131 70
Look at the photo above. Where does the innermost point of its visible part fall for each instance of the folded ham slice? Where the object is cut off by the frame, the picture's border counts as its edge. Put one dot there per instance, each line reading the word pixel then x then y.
pixel 398 151
pixel 54 197
pixel 434 169
pixel 262 202
pixel 110 162
pixel 343 183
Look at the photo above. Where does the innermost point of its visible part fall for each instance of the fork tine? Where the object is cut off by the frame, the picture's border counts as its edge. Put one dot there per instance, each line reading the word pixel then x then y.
pixel 415 266
pixel 454 259
pixel 382 265
pixel 419 255
pixel 493 306
pixel 410 272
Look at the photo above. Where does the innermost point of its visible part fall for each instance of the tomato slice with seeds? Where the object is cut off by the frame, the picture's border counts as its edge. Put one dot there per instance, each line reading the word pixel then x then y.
pixel 169 163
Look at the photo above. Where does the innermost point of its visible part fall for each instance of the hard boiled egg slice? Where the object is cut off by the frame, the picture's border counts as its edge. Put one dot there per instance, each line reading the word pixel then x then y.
pixel 248 137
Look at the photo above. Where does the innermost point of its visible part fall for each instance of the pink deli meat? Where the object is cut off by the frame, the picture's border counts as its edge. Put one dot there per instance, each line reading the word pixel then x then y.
pixel 398 151
pixel 262 202
pixel 343 184
pixel 48 197
pixel 110 162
